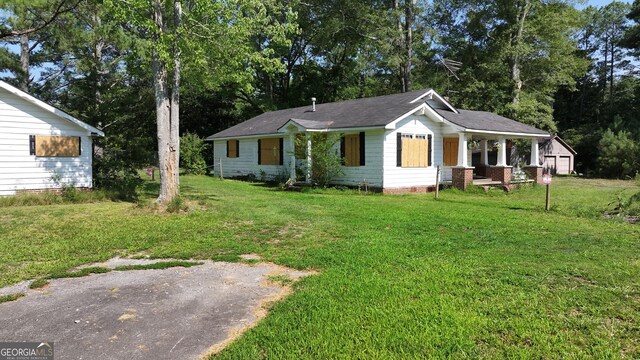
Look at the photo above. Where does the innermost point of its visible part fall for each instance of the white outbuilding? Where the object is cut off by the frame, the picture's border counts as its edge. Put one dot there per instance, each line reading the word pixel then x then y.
pixel 41 147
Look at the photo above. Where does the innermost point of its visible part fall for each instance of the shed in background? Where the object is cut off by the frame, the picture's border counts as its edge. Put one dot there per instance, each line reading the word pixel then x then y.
pixel 557 156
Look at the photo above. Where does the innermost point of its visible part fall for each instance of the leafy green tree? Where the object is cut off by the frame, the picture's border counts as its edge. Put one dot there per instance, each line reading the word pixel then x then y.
pixel 632 36
pixel 619 155
pixel 192 149
pixel 209 42
pixel 516 54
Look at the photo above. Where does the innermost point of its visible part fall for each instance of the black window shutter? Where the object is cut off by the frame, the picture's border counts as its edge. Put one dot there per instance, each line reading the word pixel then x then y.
pixel 237 148
pixel 362 148
pixel 399 152
pixel 429 147
pixel 79 145
pixel 259 152
pixel 342 149
pixel 228 148
pixel 32 144
pixel 281 149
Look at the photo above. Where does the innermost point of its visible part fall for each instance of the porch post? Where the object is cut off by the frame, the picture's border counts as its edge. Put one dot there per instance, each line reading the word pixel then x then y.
pixel 462 174
pixel 484 153
pixel 308 174
pixel 292 166
pixel 534 170
pixel 502 152
pixel 462 150
pixel 535 156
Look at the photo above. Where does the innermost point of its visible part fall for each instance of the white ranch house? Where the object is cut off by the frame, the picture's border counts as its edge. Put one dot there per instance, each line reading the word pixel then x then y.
pixel 41 147
pixel 393 143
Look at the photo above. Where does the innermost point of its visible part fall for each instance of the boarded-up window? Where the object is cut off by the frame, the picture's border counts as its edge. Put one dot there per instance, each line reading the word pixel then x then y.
pixel 58 146
pixel 414 150
pixel 352 149
pixel 450 151
pixel 233 148
pixel 270 151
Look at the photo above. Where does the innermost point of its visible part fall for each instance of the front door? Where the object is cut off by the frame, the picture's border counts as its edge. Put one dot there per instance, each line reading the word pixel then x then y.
pixel 450 151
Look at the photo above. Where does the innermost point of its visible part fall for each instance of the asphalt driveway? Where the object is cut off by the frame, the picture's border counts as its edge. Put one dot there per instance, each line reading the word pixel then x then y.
pixel 175 313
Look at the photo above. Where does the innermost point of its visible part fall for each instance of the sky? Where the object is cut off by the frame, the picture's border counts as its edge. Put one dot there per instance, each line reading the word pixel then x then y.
pixel 603 2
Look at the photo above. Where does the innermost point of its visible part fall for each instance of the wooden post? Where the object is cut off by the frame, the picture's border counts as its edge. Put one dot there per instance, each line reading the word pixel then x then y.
pixel 220 169
pixel 437 180
pixel 153 173
pixel 546 205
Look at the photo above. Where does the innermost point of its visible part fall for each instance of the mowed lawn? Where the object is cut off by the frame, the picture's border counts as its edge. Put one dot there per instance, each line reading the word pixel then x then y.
pixel 470 275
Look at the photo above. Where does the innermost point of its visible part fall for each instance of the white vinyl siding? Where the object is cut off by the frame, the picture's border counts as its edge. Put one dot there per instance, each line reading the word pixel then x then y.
pixel 247 161
pixel 402 177
pixel 21 171
pixel 371 171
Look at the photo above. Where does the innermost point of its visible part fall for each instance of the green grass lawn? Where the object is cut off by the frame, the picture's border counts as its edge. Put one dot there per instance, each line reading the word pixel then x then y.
pixel 470 275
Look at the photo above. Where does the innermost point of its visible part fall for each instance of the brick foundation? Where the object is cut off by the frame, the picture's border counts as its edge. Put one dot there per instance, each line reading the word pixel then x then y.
pixel 534 173
pixel 500 173
pixel 409 189
pixel 462 177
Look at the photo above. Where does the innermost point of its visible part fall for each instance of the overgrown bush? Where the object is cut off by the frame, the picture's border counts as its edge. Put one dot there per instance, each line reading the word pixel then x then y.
pixel 326 163
pixel 192 149
pixel 115 169
pixel 619 155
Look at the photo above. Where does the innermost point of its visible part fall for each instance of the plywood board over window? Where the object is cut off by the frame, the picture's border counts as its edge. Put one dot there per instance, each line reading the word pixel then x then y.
pixel 450 151
pixel 414 151
pixel 55 146
pixel 352 149
pixel 270 151
pixel 233 148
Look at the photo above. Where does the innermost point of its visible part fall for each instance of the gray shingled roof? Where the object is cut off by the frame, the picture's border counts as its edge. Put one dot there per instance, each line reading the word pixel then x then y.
pixel 367 112
pixel 486 121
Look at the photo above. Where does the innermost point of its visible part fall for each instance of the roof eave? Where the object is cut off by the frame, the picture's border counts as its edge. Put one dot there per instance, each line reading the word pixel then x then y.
pixel 506 133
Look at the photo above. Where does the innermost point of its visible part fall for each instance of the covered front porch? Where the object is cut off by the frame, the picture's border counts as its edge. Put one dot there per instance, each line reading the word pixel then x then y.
pixel 461 170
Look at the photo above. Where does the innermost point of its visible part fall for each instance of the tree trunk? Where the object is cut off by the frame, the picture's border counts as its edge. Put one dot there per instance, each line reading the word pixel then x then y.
pixel 166 156
pixel 408 44
pixel 611 65
pixel 24 62
pixel 400 46
pixel 603 74
pixel 515 65
pixel 97 66
pixel 175 96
